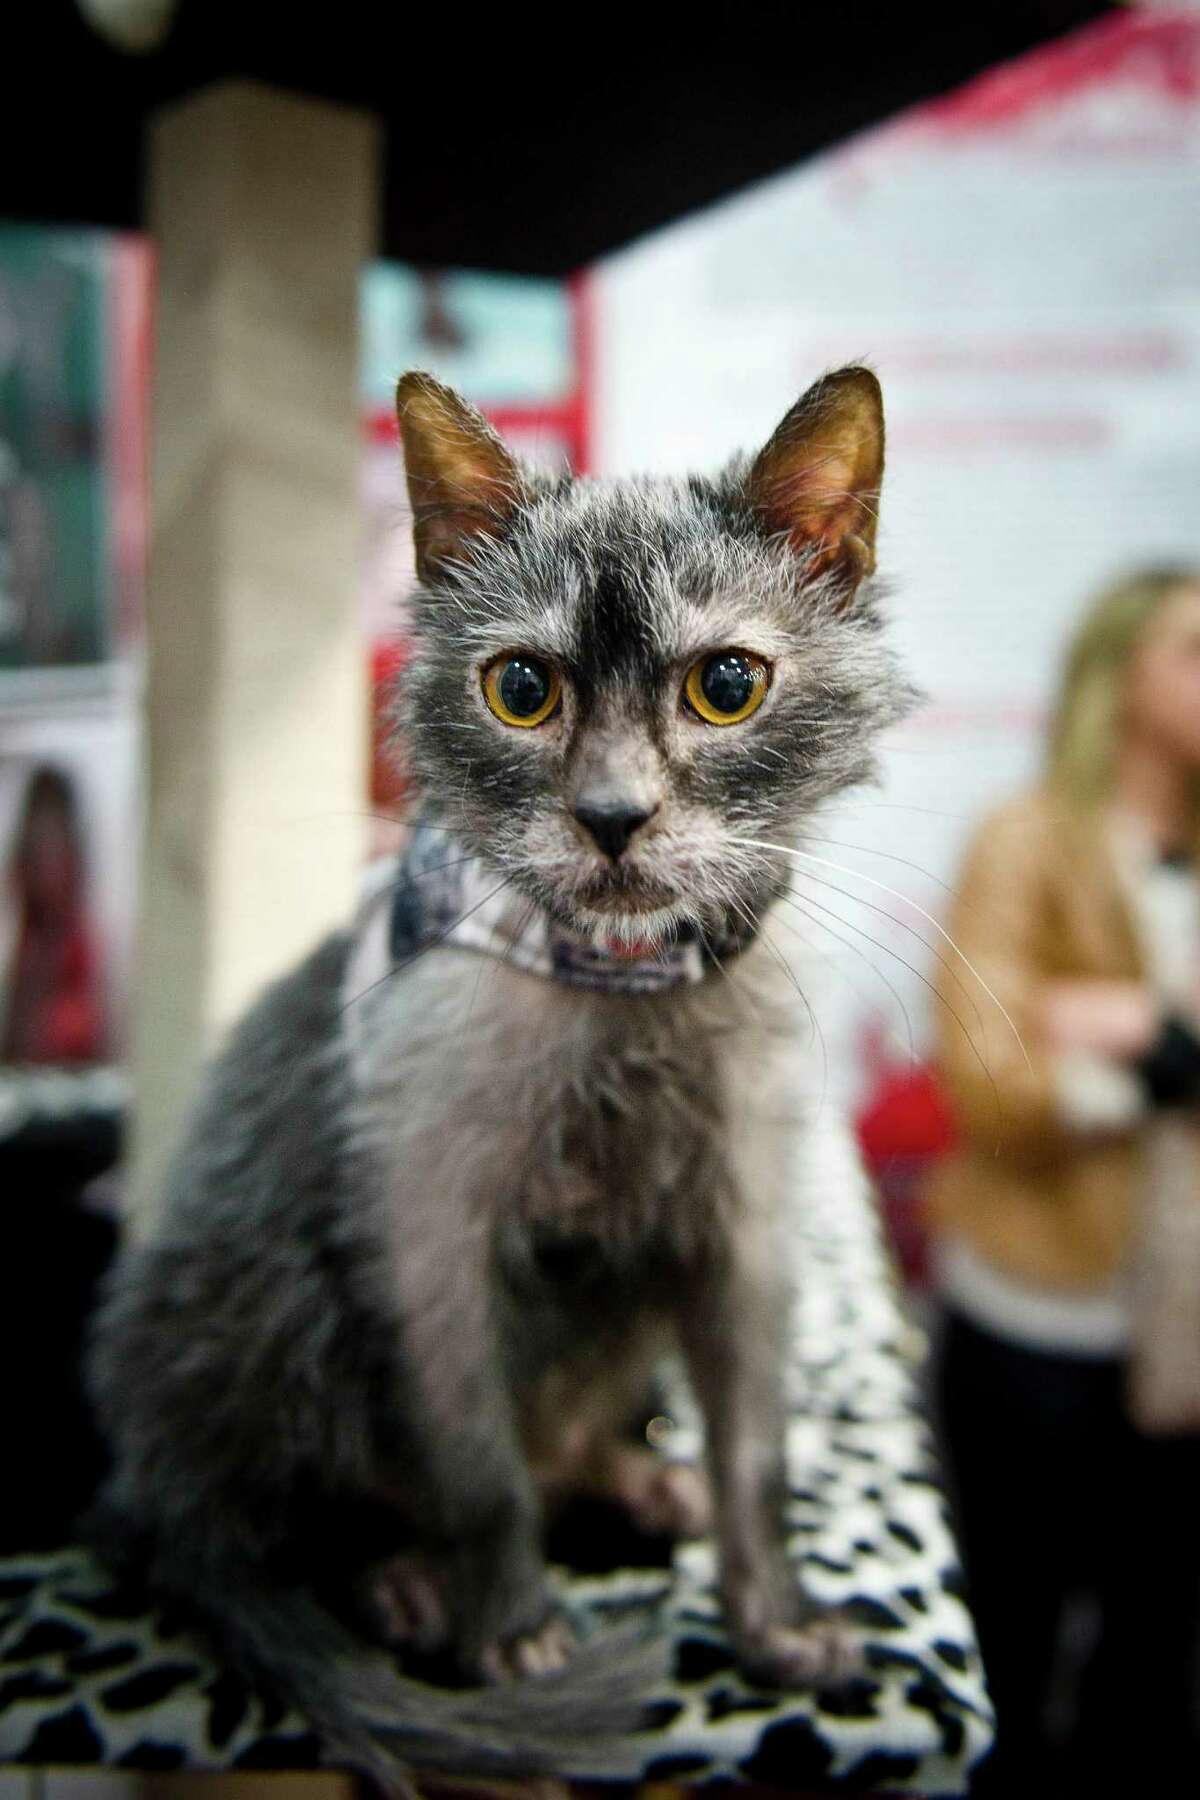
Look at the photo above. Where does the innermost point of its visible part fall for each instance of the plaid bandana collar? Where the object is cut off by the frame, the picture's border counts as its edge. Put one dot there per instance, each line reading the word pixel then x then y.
pixel 435 893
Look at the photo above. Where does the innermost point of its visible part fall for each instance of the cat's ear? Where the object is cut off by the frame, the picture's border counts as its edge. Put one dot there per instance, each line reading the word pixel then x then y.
pixel 817 482
pixel 463 484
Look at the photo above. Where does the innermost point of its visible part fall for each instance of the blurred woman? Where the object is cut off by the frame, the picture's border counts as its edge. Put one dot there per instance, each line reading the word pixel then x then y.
pixel 1069 1217
pixel 50 1007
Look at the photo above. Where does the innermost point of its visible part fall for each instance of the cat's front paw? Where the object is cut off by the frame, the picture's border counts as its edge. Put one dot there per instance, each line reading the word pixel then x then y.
pixel 510 1622
pixel 538 1652
pixel 408 1603
pixel 821 1653
pixel 663 1499
pixel 784 1640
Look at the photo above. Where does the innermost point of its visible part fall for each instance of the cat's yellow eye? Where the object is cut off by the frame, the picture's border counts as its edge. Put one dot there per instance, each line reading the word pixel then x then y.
pixel 521 689
pixel 727 686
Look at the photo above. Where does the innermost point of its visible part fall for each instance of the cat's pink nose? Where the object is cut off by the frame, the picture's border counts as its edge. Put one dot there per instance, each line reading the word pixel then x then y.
pixel 611 827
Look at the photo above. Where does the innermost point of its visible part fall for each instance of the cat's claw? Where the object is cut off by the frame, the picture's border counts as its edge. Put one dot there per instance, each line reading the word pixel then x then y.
pixel 540 1652
pixel 822 1654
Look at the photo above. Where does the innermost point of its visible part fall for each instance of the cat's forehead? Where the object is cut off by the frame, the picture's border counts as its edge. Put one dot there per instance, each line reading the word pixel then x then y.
pixel 636 574
pixel 649 528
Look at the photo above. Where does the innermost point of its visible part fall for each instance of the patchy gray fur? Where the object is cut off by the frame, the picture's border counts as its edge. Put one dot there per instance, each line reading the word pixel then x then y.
pixel 410 1260
pixel 625 585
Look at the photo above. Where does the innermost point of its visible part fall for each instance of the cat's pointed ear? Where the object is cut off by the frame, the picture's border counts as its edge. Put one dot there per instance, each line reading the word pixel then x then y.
pixel 817 482
pixel 463 484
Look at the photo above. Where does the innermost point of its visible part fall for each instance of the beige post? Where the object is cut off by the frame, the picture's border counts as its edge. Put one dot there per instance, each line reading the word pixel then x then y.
pixel 263 210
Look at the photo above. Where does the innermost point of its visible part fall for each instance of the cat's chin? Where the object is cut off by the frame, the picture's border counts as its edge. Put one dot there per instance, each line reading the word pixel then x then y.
pixel 641 931
pixel 624 900
pixel 628 911
pixel 605 904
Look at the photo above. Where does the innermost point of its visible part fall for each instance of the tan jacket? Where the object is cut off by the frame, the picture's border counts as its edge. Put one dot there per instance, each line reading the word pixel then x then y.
pixel 1040 898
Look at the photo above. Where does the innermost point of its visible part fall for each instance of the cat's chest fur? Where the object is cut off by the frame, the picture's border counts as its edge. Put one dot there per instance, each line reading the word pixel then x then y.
pixel 540 1110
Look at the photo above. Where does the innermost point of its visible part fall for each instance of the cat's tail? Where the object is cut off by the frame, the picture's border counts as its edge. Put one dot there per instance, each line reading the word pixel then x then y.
pixel 575 1720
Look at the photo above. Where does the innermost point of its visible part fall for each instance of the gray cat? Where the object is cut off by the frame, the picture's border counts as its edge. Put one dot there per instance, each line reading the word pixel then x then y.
pixel 457 1181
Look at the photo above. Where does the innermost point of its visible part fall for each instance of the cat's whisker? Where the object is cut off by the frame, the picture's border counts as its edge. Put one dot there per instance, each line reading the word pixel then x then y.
pixel 943 962
pixel 758 928
pixel 379 814
pixel 489 957
pixel 925 982
pixel 809 1008
pixel 392 887
pixel 727 901
pixel 905 900
pixel 747 1010
pixel 497 962
pixel 886 855
pixel 861 953
pixel 936 812
pixel 904 1042
pixel 407 961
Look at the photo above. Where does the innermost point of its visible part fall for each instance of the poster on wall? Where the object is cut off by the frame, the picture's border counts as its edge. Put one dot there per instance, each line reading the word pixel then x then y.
pixel 71 477
pixel 74 344
pixel 517 348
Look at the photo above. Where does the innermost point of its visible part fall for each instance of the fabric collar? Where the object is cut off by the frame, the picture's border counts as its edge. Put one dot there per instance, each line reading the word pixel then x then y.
pixel 435 892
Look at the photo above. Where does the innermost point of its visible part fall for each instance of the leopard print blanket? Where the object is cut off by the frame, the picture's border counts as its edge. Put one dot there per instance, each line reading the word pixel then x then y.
pixel 93 1674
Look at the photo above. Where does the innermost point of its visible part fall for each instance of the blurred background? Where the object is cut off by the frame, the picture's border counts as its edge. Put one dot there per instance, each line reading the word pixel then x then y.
pixel 632 257
pixel 636 270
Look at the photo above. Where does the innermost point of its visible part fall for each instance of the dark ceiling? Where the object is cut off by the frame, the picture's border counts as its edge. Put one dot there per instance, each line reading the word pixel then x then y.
pixel 534 148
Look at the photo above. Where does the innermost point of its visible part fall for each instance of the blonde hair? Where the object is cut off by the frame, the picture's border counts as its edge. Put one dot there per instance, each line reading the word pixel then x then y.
pixel 1086 726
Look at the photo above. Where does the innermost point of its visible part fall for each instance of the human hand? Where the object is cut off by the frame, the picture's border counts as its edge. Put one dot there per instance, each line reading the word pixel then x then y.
pixel 1112 1018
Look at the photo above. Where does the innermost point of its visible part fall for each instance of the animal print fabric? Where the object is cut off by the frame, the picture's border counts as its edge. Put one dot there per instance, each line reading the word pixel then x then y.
pixel 93 1673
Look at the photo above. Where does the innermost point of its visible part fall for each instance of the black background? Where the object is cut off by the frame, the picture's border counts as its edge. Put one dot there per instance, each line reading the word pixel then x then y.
pixel 532 146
